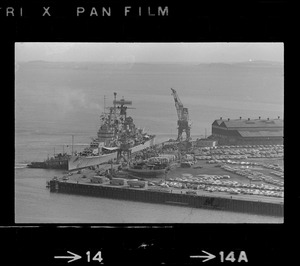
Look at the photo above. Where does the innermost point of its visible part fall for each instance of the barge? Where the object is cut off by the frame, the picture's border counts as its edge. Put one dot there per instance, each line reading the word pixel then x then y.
pixel 167 196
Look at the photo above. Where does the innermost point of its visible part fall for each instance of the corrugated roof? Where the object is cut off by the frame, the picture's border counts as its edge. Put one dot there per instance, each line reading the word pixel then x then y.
pixel 245 123
pixel 217 122
pixel 260 133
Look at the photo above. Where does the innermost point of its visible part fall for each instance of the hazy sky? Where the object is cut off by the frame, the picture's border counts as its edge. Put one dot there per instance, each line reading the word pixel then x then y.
pixel 149 52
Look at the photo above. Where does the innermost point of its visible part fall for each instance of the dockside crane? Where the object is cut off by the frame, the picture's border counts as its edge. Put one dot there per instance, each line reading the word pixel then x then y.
pixel 183 118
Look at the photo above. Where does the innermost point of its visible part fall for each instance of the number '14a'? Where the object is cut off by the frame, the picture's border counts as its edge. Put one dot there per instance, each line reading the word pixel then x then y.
pixel 230 256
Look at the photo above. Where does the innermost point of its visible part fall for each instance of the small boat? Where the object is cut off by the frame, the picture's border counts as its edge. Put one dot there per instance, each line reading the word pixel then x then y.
pixel 58 161
pixel 148 170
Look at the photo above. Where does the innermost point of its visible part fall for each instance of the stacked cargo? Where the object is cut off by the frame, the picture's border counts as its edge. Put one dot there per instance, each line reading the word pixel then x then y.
pixel 137 184
pixel 158 189
pixel 99 179
pixel 118 181
pixel 169 157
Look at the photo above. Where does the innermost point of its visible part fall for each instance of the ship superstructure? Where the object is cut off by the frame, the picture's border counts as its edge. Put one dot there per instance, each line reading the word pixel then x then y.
pixel 117 133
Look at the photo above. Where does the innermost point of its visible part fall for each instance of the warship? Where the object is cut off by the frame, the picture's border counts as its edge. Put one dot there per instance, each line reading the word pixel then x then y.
pixel 117 136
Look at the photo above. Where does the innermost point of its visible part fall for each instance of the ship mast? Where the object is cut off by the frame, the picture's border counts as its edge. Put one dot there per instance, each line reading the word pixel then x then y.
pixel 72 143
pixel 115 106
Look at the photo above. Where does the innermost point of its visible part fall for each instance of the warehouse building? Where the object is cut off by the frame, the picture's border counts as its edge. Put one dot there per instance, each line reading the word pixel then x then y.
pixel 205 143
pixel 248 131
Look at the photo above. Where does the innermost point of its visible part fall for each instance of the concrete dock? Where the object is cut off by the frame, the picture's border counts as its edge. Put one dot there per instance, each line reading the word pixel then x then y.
pixel 223 178
pixel 82 184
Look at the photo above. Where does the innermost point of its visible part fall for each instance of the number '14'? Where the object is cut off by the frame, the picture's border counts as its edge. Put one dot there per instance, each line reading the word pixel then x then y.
pixel 230 256
pixel 97 257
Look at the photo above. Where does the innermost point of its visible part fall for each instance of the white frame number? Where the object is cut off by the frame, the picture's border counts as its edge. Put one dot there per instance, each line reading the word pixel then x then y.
pixel 97 257
pixel 230 256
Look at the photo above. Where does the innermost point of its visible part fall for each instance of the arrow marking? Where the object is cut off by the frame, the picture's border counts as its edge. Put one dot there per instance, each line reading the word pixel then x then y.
pixel 208 256
pixel 73 258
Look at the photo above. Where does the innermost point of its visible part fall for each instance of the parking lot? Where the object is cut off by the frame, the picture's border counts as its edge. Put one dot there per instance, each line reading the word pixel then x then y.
pixel 217 183
pixel 249 170
pixel 239 152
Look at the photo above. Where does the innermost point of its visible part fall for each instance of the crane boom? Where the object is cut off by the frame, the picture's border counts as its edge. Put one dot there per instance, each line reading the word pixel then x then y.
pixel 178 104
pixel 183 117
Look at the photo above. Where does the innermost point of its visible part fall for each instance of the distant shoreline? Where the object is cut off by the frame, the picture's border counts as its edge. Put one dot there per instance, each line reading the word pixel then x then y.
pixel 248 63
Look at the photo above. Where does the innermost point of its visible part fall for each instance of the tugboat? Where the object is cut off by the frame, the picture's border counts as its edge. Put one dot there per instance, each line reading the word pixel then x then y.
pixel 58 161
pixel 116 130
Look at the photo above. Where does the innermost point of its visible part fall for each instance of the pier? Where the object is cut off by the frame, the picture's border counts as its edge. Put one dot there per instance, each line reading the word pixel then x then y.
pixel 254 205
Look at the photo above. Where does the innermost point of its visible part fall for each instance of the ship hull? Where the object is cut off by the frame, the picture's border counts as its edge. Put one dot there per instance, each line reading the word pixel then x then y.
pixel 79 162
pixel 44 165
pixel 147 173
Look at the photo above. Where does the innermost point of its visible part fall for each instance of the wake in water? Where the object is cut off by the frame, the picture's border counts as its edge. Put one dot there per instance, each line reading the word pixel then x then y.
pixel 20 165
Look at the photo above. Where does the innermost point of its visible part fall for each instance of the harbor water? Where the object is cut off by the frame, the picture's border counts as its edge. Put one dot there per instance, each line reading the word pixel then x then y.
pixel 55 101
